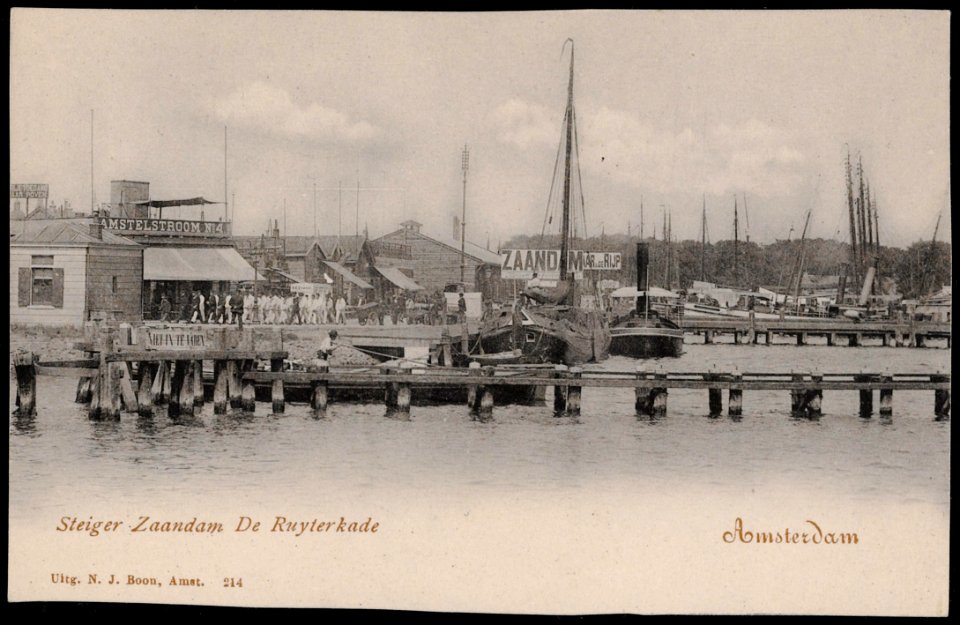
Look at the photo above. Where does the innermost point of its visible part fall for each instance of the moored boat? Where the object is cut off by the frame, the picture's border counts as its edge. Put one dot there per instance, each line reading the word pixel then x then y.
pixel 646 331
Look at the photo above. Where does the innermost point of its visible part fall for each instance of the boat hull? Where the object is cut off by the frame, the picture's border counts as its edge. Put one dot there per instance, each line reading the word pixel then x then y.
pixel 646 342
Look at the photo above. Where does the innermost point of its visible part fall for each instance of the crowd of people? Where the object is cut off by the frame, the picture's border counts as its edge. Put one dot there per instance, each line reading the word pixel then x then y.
pixel 243 307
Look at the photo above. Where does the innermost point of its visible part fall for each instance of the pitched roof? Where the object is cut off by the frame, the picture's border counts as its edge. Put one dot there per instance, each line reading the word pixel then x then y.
pixel 472 250
pixel 69 233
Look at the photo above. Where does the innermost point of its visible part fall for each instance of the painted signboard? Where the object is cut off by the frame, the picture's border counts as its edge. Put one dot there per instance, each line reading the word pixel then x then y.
pixel 29 191
pixel 165 226
pixel 523 263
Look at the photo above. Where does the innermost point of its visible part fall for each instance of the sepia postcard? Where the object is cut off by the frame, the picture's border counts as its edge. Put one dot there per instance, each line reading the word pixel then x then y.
pixel 387 310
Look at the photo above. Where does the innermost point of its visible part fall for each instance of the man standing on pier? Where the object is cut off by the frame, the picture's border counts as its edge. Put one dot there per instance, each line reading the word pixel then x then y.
pixel 462 308
pixel 341 309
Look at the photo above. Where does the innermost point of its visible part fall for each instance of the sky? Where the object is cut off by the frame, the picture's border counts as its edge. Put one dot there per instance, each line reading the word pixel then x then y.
pixel 674 109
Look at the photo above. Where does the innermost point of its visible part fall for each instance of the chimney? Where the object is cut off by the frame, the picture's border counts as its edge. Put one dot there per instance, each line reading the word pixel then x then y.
pixel 643 260
pixel 96 230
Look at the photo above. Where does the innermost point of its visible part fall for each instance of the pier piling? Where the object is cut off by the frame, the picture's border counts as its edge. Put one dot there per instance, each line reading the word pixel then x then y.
pixel 941 399
pixel 248 391
pixel 559 392
pixel 866 395
pixel 714 394
pixel 319 391
pixel 26 371
pixel 220 375
pixel 886 395
pixel 573 393
pixel 144 389
pixel 486 394
pixel 642 403
pixel 658 395
pixel 404 394
pixel 735 398
pixel 276 395
pixel 473 404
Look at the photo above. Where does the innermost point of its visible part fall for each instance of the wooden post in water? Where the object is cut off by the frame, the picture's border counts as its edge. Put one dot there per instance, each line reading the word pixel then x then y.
pixel 127 393
pixel 866 395
pixel 642 403
pixel 573 393
pixel 752 332
pixel 659 394
pixel 83 390
pixel 187 388
pixel 144 390
pixel 389 393
pixel 319 396
pixel 797 396
pixel 220 376
pixel 110 378
pixel 559 392
pixel 473 400
pixel 159 381
pixel 94 409
pixel 941 398
pixel 248 390
pixel 198 383
pixel 177 374
pixel 814 396
pixel 801 338
pixel 707 337
pixel 714 395
pixel 26 370
pixel 886 395
pixel 735 396
pixel 486 394
pixel 831 338
pixel 234 388
pixel 276 395
pixel 404 392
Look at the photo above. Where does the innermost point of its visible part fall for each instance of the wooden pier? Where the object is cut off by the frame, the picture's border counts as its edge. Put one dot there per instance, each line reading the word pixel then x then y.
pixel 141 381
pixel 897 333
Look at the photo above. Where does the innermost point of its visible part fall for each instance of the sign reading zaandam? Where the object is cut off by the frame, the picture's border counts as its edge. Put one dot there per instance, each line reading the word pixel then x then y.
pixel 165 226
pixel 522 264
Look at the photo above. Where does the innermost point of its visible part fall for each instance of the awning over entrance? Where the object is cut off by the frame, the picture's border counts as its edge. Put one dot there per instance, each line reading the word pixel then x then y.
pixel 399 279
pixel 347 274
pixel 197 264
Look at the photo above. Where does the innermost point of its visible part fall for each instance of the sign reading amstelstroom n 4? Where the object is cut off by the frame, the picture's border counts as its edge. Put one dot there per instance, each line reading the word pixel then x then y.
pixel 522 264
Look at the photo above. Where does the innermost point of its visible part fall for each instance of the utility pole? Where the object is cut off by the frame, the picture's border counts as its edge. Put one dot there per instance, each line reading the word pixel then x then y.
pixel 736 242
pixel 464 166
pixel 226 215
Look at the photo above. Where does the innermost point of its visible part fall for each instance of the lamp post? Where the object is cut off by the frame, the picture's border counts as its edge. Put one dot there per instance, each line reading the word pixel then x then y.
pixel 465 165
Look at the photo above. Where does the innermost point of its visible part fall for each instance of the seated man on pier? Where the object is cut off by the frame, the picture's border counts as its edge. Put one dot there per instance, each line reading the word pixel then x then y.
pixel 327 345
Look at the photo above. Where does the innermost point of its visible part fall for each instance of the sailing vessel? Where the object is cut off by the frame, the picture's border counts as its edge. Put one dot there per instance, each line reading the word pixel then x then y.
pixel 645 332
pixel 554 330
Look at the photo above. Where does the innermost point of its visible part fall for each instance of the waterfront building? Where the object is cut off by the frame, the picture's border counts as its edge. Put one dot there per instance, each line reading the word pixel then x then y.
pixel 435 262
pixel 67 271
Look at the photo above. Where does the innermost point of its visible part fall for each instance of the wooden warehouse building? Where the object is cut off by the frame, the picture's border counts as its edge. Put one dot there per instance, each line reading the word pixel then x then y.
pixel 64 272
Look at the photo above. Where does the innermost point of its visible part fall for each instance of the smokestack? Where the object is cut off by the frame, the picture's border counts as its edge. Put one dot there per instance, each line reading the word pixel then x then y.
pixel 96 230
pixel 643 260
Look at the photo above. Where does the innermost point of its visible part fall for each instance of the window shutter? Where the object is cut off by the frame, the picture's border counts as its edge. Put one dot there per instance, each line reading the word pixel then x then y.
pixel 58 288
pixel 23 286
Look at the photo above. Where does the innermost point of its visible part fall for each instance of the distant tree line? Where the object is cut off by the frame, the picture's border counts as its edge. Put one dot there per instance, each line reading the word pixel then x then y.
pixel 919 270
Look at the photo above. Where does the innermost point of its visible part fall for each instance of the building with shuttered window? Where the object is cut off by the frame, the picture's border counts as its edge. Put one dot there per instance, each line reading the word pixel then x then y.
pixel 64 272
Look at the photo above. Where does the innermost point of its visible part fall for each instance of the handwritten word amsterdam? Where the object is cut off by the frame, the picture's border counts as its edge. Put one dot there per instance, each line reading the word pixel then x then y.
pixel 810 533
pixel 245 524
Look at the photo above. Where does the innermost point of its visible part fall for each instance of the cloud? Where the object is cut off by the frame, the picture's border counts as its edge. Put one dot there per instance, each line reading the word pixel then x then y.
pixel 523 124
pixel 751 155
pixel 267 108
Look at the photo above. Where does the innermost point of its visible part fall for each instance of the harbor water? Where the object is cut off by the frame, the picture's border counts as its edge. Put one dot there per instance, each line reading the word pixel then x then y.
pixel 527 512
